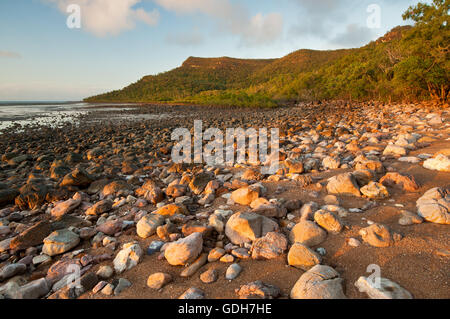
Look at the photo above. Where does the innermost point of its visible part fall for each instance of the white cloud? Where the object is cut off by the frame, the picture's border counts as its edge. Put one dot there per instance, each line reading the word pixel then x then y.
pixel 109 17
pixel 353 36
pixel 9 54
pixel 232 18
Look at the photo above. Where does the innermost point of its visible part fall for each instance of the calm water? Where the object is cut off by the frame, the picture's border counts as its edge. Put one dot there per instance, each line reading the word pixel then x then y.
pixel 44 113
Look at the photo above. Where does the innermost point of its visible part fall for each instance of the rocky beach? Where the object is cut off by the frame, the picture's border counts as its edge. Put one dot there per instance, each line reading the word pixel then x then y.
pixel 361 188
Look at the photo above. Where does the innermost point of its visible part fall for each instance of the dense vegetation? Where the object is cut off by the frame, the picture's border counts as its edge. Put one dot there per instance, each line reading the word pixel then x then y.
pixel 408 63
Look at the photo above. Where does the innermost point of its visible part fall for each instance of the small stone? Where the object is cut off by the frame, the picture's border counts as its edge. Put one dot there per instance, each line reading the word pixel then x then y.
pixel 59 242
pixel 233 271
pixel 379 235
pixel 128 257
pixel 193 293
pixel 329 220
pixel 209 276
pixel 258 290
pixel 121 286
pixel 215 254
pixel 105 272
pixel 158 280
pixel 302 257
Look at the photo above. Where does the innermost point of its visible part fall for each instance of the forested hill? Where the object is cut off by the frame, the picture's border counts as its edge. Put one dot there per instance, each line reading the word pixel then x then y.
pixel 408 63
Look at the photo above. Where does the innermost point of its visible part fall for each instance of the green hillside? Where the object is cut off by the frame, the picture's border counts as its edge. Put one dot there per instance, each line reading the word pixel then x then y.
pixel 408 63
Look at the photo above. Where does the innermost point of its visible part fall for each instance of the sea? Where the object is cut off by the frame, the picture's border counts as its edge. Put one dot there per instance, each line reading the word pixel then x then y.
pixel 48 113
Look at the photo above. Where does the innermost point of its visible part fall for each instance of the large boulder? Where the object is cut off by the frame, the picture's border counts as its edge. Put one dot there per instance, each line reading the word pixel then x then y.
pixel 246 227
pixel 59 242
pixel 434 206
pixel 343 184
pixel 320 282
pixel 184 250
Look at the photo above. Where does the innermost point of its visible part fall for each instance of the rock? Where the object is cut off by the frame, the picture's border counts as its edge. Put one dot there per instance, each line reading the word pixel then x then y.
pixel 33 236
pixel 59 242
pixel 387 289
pixel 375 191
pixel 110 227
pixel 409 218
pixel 195 266
pixel 258 290
pixel 151 192
pixel 154 247
pixel 66 207
pixel 329 163
pixel 215 254
pixel 227 258
pixel 121 286
pixel 115 188
pixel 12 270
pixel 148 225
pixel 395 150
pixel 184 250
pixel 128 257
pixel 440 163
pixel 199 182
pixel 209 276
pixel 307 233
pixel 5 244
pixel 244 196
pixel 320 282
pixel 233 271
pixel 329 220
pixel 407 183
pixel 272 245
pixel 41 259
pixel 105 272
pixel 158 280
pixel 217 222
pixel 379 235
pixel 34 290
pixel 295 167
pixel 434 206
pixel 78 177
pixel 99 208
pixel 246 227
pixel 343 184
pixel 308 210
pixel 32 196
pixel 302 257
pixel 99 287
pixel 108 290
pixel 193 293
pixel 7 196
pixel 363 177
pixel 270 210
pixel 170 210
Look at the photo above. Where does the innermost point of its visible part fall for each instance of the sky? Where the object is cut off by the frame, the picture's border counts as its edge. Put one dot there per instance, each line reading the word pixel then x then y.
pixel 44 56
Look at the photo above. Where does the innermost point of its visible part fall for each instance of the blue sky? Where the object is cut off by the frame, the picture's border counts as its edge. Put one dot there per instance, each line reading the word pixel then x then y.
pixel 121 41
